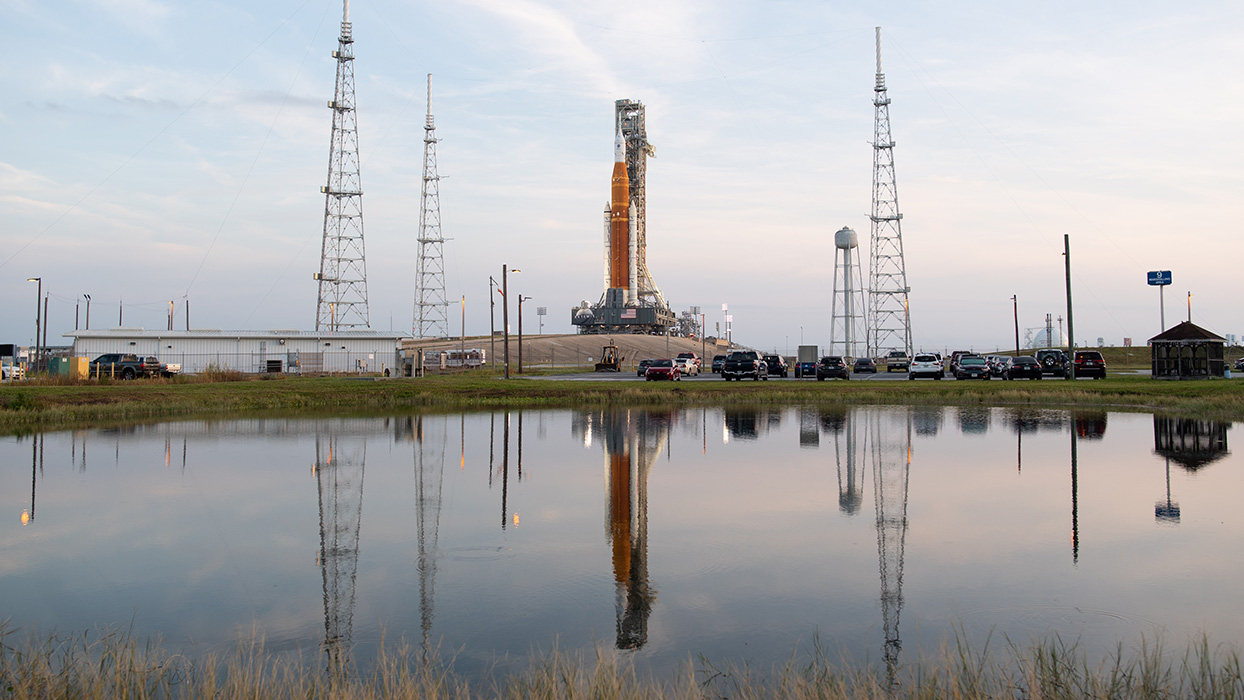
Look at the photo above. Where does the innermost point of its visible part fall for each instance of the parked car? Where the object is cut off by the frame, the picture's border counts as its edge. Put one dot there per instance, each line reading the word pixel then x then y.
pixel 866 365
pixel 1024 366
pixel 997 364
pixel 687 366
pixel 897 361
pixel 831 366
pixel 662 369
pixel 805 369
pixel 744 363
pixel 642 369
pixel 777 365
pixel 1239 365
pixel 1053 362
pixel 693 357
pixel 972 367
pixel 1090 363
pixel 925 365
pixel 718 361
pixel 953 364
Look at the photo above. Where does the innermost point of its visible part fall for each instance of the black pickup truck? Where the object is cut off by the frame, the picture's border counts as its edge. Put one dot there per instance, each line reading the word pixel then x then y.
pixel 744 363
pixel 126 366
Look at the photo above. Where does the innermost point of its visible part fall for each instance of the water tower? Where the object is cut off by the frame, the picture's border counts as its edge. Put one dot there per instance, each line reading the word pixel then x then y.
pixel 846 331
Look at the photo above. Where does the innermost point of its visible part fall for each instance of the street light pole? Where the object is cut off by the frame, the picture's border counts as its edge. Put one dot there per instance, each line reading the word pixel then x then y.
pixel 88 311
pixel 462 348
pixel 505 313
pixel 521 299
pixel 492 320
pixel 38 321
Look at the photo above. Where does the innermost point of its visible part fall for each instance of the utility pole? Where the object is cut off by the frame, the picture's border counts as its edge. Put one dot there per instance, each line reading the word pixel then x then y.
pixel 1071 333
pixel 505 316
pixel 1015 303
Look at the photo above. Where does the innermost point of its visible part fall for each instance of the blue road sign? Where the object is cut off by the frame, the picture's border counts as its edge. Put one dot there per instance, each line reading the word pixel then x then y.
pixel 1159 278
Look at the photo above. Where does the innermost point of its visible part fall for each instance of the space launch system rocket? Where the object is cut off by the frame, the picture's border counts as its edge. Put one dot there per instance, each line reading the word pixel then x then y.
pixel 621 264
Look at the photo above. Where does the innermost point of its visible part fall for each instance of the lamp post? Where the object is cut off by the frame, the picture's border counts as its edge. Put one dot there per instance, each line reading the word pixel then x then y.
pixel 88 311
pixel 38 321
pixel 521 299
pixel 462 341
pixel 492 329
pixel 505 313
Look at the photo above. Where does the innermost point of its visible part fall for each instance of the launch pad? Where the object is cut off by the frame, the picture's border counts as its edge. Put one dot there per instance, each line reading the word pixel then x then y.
pixel 631 301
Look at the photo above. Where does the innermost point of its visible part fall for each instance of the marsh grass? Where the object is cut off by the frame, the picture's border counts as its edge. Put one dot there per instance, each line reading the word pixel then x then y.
pixel 34 405
pixel 113 665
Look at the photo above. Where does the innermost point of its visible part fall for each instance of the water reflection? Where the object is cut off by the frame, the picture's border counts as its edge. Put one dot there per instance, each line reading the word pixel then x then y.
pixel 1188 442
pixel 781 513
pixel 429 475
pixel 891 462
pixel 338 470
pixel 632 440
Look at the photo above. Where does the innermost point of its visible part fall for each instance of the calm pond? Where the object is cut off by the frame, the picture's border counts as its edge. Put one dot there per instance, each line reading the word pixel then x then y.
pixel 877 533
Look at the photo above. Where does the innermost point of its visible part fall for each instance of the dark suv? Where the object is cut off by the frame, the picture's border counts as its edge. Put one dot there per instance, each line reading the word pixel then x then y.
pixel 1054 362
pixel 831 366
pixel 777 365
pixel 1090 363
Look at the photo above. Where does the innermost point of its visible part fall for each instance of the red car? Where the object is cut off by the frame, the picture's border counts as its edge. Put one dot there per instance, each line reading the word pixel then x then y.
pixel 663 369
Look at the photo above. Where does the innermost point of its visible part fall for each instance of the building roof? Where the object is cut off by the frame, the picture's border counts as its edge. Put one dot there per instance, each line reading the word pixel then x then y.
pixel 217 333
pixel 1185 331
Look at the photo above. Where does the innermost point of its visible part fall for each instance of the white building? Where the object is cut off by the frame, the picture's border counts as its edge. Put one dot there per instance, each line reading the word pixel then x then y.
pixel 278 351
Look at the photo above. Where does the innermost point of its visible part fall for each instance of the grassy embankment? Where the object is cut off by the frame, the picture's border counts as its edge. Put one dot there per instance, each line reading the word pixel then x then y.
pixel 114 666
pixel 46 404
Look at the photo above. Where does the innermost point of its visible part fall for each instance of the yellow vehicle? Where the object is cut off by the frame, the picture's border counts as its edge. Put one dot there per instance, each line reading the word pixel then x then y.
pixel 610 359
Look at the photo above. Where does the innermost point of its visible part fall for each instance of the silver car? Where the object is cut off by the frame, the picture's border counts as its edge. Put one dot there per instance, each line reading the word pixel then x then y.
pixel 925 365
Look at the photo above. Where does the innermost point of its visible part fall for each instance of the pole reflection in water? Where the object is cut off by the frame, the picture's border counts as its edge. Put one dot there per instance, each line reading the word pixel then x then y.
pixel 429 475
pixel 891 461
pixel 339 479
pixel 633 440
pixel 1075 499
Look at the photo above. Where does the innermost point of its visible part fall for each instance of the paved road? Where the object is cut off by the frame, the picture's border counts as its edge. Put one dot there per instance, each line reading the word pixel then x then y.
pixel 707 377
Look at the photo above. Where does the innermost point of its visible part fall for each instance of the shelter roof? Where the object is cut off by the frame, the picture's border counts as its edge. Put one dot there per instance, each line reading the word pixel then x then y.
pixel 1185 331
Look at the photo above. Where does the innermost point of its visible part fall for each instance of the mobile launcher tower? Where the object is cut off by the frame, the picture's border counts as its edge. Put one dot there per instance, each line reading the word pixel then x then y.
pixel 631 302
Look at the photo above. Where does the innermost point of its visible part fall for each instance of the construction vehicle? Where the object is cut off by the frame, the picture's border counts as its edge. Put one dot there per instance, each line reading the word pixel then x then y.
pixel 610 359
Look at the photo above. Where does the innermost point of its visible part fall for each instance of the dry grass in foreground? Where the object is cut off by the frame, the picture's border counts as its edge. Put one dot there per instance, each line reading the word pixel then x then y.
pixel 114 666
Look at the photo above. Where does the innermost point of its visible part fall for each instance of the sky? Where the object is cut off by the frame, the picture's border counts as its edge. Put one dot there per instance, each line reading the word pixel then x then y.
pixel 154 151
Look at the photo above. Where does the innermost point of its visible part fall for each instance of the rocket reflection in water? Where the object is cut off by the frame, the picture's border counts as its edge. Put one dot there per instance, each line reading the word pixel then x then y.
pixel 632 441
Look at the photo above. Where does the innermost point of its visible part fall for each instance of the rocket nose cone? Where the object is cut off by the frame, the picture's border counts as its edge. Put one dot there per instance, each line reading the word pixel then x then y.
pixel 619 148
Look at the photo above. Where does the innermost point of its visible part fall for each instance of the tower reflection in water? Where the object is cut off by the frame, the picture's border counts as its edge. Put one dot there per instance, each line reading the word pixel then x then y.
pixel 632 440
pixel 882 440
pixel 338 470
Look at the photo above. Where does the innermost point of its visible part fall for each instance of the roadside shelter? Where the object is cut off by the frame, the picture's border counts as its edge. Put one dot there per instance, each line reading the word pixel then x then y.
pixel 1187 351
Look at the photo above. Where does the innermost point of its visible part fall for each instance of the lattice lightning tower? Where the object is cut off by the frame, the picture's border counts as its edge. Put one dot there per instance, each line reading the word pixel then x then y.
pixel 431 307
pixel 342 301
pixel 889 322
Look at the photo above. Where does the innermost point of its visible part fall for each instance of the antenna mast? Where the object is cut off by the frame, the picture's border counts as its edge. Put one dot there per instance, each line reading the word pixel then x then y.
pixel 342 301
pixel 431 307
pixel 889 320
